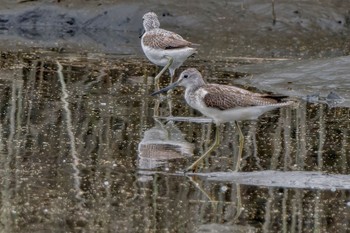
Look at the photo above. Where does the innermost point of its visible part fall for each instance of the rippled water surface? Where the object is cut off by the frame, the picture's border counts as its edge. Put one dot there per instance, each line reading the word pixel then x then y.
pixel 80 151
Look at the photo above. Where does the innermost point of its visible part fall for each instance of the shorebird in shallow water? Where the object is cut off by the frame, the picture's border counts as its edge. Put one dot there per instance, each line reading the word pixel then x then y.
pixel 162 47
pixel 223 103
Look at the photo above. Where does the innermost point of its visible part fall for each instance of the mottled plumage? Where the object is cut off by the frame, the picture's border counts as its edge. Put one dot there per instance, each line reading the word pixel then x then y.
pixel 223 103
pixel 162 39
pixel 162 47
pixel 227 97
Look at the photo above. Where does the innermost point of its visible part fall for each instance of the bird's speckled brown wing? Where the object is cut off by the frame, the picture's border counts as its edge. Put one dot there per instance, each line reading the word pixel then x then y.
pixel 224 97
pixel 159 38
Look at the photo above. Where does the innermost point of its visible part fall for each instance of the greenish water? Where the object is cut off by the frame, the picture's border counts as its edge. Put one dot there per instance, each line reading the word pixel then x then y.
pixel 70 146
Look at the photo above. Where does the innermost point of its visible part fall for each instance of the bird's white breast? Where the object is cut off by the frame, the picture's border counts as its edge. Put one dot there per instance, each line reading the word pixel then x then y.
pixel 156 56
pixel 196 100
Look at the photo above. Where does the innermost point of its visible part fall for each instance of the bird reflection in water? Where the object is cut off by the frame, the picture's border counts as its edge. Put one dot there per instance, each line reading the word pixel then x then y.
pixel 162 143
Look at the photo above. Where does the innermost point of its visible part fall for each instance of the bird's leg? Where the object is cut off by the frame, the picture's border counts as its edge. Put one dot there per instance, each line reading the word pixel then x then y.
pixel 215 144
pixel 156 79
pixel 240 149
pixel 169 93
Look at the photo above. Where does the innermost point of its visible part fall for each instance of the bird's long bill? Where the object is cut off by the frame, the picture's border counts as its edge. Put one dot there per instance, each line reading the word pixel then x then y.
pixel 165 89
pixel 143 32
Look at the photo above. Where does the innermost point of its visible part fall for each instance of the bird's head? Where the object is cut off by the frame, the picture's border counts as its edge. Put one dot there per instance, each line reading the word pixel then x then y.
pixel 190 78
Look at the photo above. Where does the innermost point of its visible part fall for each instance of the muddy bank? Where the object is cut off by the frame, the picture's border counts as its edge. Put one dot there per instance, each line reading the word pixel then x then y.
pixel 292 179
pixel 313 80
pixel 58 109
pixel 224 29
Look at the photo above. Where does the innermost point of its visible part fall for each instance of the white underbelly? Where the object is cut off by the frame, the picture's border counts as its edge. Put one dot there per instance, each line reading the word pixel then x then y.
pixel 160 57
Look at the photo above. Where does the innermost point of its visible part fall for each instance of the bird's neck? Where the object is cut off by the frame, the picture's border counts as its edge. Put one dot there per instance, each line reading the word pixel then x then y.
pixel 192 89
pixel 150 29
pixel 150 26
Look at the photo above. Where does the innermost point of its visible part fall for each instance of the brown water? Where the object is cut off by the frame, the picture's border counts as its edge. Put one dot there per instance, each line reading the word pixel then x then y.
pixel 69 151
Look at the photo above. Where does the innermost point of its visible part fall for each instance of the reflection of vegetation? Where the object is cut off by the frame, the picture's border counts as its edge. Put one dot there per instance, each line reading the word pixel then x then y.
pixel 110 109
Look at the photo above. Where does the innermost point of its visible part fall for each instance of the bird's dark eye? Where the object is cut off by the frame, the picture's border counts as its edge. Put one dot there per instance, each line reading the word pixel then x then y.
pixel 185 76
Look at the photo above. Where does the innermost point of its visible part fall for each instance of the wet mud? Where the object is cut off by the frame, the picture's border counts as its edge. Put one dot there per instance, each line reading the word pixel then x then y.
pixel 81 150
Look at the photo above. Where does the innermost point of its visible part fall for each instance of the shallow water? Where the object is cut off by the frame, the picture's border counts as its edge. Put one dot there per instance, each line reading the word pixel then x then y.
pixel 70 154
